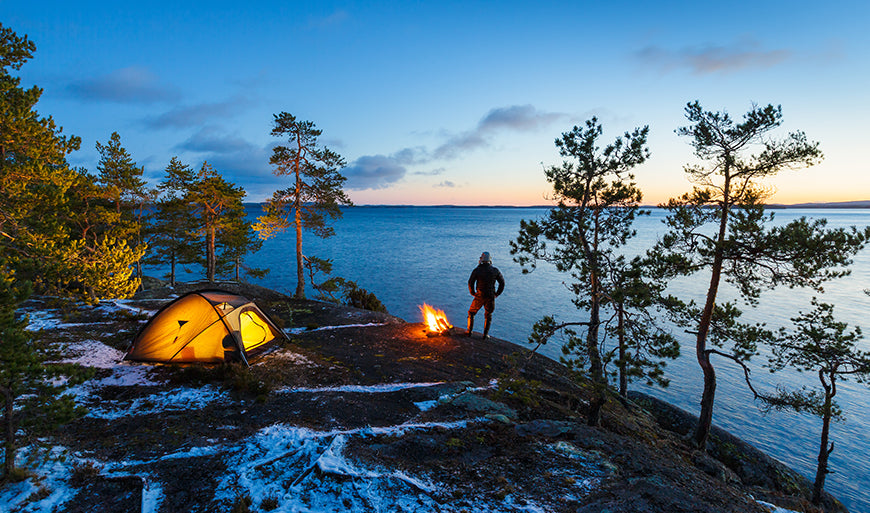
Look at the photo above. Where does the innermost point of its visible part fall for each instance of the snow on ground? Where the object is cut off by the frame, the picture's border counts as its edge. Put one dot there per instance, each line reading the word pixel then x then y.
pixel 43 320
pixel 299 469
pixel 363 389
pixel 49 490
pixel 287 356
pixel 296 331
pixel 181 398
pixel 52 319
pixel 91 353
pixel 772 508
pixel 114 305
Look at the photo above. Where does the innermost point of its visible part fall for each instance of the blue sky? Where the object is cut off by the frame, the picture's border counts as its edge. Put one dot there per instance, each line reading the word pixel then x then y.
pixel 448 102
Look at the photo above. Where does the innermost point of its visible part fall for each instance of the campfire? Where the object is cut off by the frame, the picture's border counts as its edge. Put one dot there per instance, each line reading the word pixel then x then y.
pixel 435 320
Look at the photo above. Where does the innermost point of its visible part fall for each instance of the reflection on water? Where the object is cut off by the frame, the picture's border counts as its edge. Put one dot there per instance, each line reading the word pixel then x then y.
pixel 411 255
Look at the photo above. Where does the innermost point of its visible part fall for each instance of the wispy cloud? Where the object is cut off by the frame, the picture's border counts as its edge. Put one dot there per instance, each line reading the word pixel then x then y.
pixel 704 60
pixel 382 171
pixel 519 118
pixel 211 139
pixel 431 172
pixel 236 159
pixel 196 115
pixel 373 172
pixel 333 19
pixel 126 85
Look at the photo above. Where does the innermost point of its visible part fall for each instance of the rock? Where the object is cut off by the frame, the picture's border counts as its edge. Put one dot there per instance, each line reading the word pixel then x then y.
pixel 713 467
pixel 475 403
pixel 499 418
pixel 548 428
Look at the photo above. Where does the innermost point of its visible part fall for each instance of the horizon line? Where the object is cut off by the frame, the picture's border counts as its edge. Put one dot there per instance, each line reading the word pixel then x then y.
pixel 819 204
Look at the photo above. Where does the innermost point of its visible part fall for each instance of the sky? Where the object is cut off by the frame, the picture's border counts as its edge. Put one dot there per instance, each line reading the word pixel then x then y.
pixel 434 103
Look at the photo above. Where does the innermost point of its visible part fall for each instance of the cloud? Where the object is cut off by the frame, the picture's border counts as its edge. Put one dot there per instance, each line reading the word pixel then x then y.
pixel 710 59
pixel 445 184
pixel 196 115
pixel 432 172
pixel 126 85
pixel 411 156
pixel 373 172
pixel 236 159
pixel 212 140
pixel 518 118
pixel 334 19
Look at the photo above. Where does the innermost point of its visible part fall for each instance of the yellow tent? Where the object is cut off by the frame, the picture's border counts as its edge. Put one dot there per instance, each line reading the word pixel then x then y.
pixel 204 326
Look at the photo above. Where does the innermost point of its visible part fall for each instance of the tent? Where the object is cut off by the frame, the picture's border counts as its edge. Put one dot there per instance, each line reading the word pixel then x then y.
pixel 204 326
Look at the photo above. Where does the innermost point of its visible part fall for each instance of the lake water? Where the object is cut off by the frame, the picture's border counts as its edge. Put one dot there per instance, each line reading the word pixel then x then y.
pixel 411 255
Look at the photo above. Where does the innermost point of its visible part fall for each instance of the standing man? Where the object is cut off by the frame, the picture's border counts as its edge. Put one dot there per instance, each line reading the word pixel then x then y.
pixel 481 285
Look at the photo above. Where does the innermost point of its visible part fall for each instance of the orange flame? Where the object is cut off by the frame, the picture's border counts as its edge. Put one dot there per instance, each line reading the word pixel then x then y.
pixel 435 319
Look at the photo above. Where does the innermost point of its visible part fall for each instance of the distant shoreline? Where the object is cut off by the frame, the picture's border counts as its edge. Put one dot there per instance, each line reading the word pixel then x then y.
pixel 777 206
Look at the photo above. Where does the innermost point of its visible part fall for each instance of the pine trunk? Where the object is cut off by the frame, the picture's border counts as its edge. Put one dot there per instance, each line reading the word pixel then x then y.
pixel 210 255
pixel 623 376
pixel 824 450
pixel 9 464
pixel 172 270
pixel 596 370
pixel 300 276
pixel 705 418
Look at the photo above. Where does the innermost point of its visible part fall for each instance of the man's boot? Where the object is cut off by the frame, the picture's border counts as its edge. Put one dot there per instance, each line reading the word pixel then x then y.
pixel 470 325
pixel 486 323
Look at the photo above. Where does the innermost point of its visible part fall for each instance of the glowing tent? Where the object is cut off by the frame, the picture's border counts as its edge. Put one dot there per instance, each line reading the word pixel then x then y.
pixel 204 326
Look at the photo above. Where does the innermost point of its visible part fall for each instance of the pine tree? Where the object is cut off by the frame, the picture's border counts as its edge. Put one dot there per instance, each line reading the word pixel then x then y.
pixel 721 227
pixel 28 396
pixel 19 362
pixel 171 238
pixel 51 227
pixel 234 242
pixel 126 191
pixel 597 204
pixel 822 345
pixel 315 193
pixel 217 204
pixel 34 174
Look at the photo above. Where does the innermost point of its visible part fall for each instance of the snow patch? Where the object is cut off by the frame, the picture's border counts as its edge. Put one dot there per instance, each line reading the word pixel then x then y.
pixel 296 331
pixel 772 508
pixel 91 353
pixel 288 356
pixel 426 405
pixel 179 399
pixel 363 389
pixel 42 320
pixel 48 490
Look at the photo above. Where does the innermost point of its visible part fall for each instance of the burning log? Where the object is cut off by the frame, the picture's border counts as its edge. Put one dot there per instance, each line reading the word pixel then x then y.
pixel 435 320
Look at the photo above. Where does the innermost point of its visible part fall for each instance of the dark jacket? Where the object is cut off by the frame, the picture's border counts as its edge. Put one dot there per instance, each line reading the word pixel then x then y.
pixel 485 276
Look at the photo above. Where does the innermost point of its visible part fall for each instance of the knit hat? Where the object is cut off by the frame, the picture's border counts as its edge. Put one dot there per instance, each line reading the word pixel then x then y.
pixel 485 258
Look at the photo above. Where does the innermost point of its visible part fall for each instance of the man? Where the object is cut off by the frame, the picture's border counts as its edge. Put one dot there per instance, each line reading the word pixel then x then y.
pixel 481 285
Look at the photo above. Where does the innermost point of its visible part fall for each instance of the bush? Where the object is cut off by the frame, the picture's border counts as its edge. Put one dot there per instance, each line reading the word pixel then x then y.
pixel 359 297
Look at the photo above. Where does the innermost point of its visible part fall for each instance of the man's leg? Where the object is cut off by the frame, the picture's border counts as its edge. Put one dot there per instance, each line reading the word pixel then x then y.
pixel 472 311
pixel 487 317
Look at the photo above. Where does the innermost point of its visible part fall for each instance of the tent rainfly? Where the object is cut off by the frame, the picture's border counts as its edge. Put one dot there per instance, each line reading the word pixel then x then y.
pixel 204 326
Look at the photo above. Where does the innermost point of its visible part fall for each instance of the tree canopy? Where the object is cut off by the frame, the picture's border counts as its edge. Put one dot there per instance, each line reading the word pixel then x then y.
pixel 721 227
pixel 315 194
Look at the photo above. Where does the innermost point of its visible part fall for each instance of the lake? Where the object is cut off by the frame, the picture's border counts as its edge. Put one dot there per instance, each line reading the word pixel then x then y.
pixel 410 255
